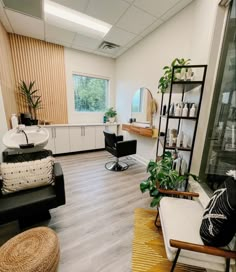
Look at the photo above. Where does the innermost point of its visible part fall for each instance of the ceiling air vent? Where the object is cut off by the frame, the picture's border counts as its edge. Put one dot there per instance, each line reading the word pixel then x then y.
pixel 108 47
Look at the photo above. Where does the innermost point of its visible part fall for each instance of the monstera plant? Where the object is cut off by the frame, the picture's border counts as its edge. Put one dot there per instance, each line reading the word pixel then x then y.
pixel 165 80
pixel 162 175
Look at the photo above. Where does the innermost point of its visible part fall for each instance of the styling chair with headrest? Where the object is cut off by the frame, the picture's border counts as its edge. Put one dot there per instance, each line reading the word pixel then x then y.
pixel 118 148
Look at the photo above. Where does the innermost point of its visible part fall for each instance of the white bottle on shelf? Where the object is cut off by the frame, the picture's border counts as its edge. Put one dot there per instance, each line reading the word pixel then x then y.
pixel 171 140
pixel 14 120
pixel 177 110
pixel 185 111
pixel 179 139
pixel 192 111
pixel 185 141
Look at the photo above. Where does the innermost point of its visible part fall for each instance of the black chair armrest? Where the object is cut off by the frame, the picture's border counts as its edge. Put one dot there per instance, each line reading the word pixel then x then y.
pixel 59 184
pixel 126 148
pixel 119 138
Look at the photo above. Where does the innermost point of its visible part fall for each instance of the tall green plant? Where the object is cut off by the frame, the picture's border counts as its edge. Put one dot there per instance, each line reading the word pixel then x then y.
pixel 165 80
pixel 30 96
pixel 162 175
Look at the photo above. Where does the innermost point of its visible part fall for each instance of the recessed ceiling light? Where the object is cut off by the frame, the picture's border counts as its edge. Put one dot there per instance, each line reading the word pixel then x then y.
pixel 56 10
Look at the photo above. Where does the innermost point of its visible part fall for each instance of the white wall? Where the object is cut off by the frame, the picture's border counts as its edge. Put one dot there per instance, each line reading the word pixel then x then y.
pixel 188 34
pixel 3 124
pixel 92 65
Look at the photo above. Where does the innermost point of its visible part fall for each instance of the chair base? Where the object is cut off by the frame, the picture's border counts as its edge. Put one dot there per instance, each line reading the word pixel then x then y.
pixel 116 166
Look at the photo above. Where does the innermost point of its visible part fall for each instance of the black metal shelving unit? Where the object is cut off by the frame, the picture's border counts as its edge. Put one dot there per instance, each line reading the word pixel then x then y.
pixel 180 87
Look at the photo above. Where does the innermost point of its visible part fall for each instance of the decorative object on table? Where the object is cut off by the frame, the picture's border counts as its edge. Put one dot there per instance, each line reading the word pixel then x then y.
pixel 33 250
pixel 14 120
pixel 104 119
pixel 148 254
pixel 182 89
pixel 163 176
pixel 111 114
pixel 31 99
pixel 180 72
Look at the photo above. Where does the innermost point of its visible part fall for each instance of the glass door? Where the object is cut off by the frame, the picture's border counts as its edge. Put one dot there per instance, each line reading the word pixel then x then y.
pixel 219 154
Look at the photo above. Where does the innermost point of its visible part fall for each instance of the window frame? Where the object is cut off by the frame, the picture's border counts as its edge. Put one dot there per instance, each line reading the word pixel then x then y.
pixel 97 77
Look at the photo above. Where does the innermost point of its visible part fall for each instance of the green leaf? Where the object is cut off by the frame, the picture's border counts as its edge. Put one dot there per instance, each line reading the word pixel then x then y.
pixel 144 186
pixel 155 201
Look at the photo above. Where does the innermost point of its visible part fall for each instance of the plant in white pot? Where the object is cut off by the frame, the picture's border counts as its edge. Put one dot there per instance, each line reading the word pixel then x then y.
pixel 111 115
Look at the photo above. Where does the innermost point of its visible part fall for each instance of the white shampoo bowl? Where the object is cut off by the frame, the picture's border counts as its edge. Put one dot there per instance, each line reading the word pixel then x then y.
pixel 15 138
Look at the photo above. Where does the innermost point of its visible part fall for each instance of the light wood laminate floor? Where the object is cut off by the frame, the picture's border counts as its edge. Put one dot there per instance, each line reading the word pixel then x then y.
pixel 95 227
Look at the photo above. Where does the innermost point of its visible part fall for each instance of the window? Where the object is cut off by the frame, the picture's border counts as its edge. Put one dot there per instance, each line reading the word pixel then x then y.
pixel 90 93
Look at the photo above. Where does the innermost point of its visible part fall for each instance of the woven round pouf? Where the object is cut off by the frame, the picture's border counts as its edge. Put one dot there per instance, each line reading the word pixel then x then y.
pixel 35 250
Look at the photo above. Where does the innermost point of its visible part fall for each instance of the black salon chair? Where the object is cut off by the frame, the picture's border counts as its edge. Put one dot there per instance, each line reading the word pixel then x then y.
pixel 118 148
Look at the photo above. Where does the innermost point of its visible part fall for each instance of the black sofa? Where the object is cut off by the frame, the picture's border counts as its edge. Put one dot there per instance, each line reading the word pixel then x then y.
pixel 33 205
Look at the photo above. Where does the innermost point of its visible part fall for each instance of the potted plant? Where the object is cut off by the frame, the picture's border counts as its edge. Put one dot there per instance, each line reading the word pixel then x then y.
pixel 31 98
pixel 111 114
pixel 180 74
pixel 162 176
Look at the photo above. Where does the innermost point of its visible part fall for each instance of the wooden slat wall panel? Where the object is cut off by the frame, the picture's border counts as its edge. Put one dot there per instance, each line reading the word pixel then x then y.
pixel 43 62
pixel 7 78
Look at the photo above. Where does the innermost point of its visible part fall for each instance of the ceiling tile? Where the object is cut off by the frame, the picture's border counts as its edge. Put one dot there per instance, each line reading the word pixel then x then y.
pixel 121 51
pixel 119 36
pixel 79 5
pixel 135 20
pixel 65 44
pixel 152 27
pixel 82 48
pixel 134 41
pixel 86 42
pixel 59 34
pixel 29 7
pixel 26 25
pixel 155 7
pixel 107 10
pixel 4 19
pixel 171 12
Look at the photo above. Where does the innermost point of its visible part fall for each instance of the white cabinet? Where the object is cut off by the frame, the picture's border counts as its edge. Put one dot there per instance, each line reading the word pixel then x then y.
pixel 99 141
pixel 59 141
pixel 62 140
pixel 65 139
pixel 51 143
pixel 82 138
pixel 111 128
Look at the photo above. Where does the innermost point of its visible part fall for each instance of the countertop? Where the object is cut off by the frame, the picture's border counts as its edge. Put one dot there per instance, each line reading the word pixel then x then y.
pixel 82 124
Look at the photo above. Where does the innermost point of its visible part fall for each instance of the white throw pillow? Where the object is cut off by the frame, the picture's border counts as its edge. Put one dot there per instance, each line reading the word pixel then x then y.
pixel 26 175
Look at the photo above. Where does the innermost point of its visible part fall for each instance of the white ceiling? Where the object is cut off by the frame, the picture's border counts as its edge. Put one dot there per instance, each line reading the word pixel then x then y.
pixel 131 21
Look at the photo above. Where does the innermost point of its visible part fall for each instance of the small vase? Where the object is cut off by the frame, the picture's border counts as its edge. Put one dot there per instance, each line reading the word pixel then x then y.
pixel 112 119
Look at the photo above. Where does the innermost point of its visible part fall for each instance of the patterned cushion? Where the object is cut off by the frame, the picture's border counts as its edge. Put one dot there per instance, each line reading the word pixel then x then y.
pixel 26 175
pixel 219 219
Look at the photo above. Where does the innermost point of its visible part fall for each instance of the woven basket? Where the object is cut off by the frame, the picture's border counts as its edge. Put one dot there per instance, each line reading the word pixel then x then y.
pixel 35 250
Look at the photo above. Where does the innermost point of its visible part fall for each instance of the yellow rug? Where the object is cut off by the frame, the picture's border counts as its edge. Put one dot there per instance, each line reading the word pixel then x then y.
pixel 148 246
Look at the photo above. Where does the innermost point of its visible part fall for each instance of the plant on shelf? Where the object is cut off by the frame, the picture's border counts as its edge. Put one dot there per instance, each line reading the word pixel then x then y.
pixel 162 176
pixel 165 80
pixel 111 114
pixel 31 98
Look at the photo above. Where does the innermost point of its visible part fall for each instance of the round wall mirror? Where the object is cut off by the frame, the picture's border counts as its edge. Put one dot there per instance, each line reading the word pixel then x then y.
pixel 142 107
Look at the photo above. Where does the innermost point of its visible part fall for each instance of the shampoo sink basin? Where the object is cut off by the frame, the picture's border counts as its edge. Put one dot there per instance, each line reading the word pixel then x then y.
pixel 28 138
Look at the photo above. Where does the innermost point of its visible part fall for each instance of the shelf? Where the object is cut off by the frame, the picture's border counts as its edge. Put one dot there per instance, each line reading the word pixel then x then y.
pixel 179 117
pixel 161 140
pixel 147 132
pixel 197 82
pixel 178 86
